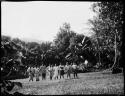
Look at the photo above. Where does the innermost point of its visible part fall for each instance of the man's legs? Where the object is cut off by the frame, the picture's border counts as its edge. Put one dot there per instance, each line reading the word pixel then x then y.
pixel 60 76
pixel 74 74
pixel 63 75
pixel 67 75
pixel 50 77
pixel 45 76
pixel 32 78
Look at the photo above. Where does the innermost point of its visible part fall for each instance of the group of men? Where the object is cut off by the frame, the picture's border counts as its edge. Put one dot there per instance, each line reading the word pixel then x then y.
pixel 54 72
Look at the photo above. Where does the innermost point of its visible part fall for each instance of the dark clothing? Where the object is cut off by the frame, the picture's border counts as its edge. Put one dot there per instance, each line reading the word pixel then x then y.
pixel 68 71
pixel 37 79
pixel 50 72
pixel 50 77
pixel 43 76
pixel 31 76
pixel 68 75
pixel 75 72
pixel 61 72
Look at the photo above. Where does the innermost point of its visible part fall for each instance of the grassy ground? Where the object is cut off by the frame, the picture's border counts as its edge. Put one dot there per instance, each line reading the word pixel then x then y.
pixel 88 83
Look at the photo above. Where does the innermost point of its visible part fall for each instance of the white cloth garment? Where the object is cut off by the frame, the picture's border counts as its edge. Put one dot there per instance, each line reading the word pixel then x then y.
pixel 56 68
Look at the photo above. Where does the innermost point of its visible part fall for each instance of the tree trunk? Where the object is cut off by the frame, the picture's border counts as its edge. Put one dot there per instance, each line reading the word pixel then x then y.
pixel 114 65
pixel 99 58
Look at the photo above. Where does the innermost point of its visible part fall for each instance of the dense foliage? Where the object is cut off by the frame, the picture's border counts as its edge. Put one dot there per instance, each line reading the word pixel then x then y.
pixel 107 26
pixel 102 49
pixel 9 65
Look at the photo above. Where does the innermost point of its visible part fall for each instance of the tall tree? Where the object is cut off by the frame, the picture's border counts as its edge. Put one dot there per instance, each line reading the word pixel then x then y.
pixel 107 26
pixel 62 40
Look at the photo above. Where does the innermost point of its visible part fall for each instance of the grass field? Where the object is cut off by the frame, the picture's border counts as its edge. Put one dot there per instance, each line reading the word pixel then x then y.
pixel 88 83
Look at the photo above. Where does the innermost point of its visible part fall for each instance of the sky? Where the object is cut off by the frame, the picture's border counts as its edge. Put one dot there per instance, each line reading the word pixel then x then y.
pixel 41 20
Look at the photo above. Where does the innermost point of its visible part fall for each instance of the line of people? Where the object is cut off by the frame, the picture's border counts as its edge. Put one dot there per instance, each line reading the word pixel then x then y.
pixel 54 72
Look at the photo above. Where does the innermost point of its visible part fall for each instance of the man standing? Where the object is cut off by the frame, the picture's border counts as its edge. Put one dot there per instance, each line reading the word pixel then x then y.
pixel 56 70
pixel 74 66
pixel 61 71
pixel 30 74
pixel 68 70
pixel 50 69
pixel 33 71
pixel 43 71
pixel 37 73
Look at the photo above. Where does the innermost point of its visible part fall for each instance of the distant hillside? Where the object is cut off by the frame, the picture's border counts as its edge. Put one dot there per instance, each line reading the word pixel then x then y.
pixel 31 40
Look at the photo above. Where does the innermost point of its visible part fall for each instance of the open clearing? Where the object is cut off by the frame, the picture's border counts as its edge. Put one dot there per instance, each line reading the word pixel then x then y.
pixel 88 83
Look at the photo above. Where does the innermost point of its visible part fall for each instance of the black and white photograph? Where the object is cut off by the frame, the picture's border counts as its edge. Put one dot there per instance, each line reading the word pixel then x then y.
pixel 62 48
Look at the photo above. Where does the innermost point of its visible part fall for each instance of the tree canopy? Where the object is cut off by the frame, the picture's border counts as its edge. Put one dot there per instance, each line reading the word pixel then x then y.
pixel 107 26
